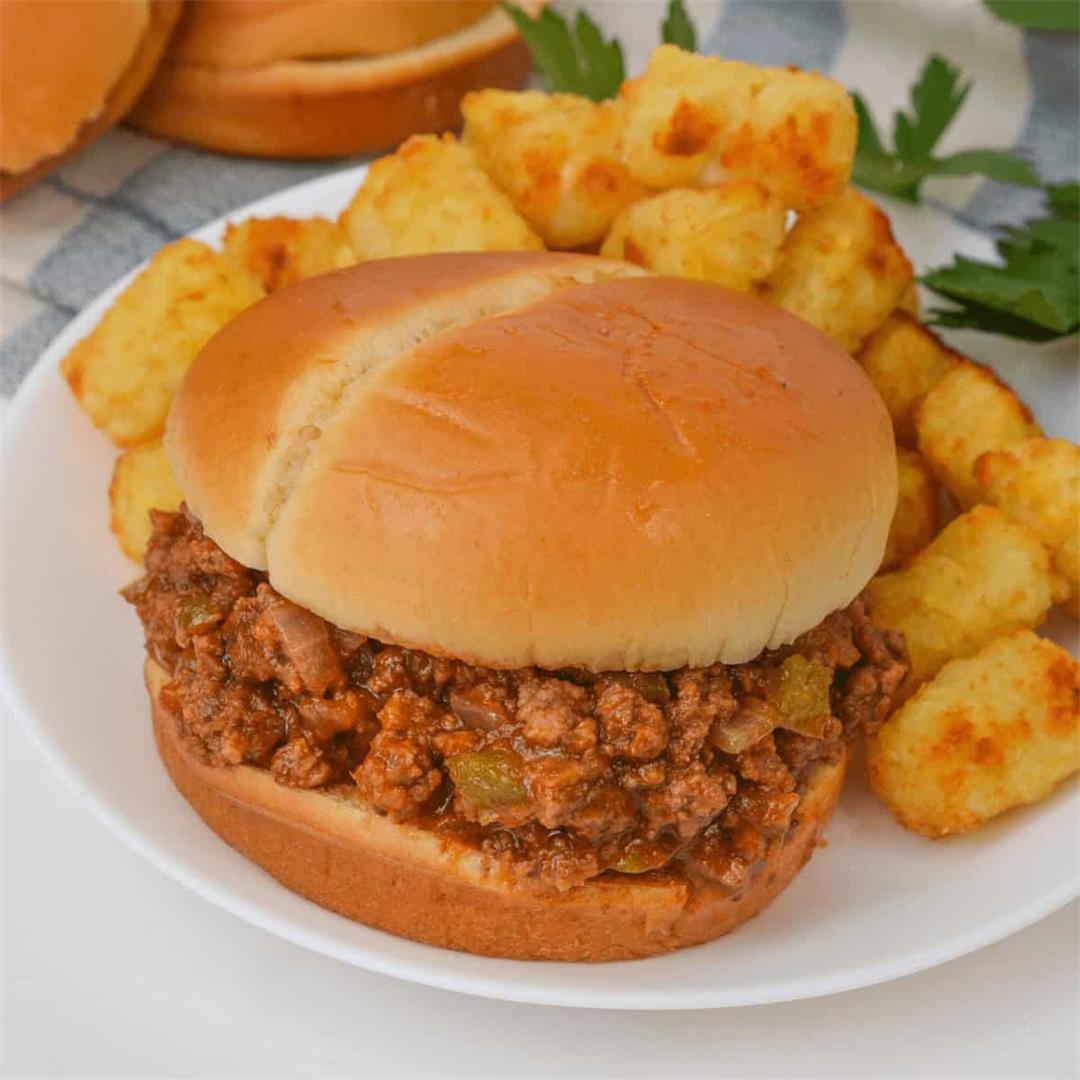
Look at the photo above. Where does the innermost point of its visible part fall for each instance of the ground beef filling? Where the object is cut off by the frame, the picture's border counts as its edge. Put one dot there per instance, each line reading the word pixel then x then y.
pixel 559 775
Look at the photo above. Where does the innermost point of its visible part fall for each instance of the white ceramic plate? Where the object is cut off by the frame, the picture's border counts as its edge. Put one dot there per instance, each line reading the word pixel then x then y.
pixel 875 904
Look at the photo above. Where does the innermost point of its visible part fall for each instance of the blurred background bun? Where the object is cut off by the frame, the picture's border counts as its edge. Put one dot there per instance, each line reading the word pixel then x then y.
pixel 324 78
pixel 69 70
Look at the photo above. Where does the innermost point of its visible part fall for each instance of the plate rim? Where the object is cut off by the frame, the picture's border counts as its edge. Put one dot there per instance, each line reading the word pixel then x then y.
pixel 491 986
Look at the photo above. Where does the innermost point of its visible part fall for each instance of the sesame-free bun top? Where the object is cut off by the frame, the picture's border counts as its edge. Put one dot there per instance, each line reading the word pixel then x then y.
pixel 531 458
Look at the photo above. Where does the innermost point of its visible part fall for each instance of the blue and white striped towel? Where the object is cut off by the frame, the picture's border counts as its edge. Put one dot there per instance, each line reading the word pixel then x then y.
pixel 69 237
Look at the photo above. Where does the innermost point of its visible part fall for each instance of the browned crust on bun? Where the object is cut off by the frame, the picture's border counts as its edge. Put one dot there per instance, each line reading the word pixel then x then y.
pixel 163 15
pixel 330 848
pixel 330 108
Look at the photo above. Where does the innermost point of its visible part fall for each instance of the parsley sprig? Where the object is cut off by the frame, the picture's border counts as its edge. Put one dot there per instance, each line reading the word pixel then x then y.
pixel 1034 294
pixel 1038 14
pixel 677 28
pixel 936 98
pixel 571 58
pixel 576 58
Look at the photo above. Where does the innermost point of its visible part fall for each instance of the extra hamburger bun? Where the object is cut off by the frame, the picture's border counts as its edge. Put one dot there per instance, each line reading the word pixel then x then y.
pixel 69 70
pixel 332 849
pixel 532 458
pixel 325 78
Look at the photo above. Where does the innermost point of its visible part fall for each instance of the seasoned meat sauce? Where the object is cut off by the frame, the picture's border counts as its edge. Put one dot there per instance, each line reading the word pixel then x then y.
pixel 557 775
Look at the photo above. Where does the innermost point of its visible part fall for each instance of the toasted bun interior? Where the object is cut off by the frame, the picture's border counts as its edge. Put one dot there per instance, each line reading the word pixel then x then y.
pixel 532 458
pixel 330 848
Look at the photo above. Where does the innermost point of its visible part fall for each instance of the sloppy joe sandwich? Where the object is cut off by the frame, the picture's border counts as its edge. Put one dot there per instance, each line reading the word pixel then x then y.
pixel 516 604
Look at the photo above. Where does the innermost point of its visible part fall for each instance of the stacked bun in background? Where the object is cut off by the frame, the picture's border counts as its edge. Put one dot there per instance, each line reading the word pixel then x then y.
pixel 274 78
pixel 69 70
pixel 321 78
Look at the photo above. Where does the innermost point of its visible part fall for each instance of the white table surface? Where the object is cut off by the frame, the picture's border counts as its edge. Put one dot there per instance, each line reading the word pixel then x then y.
pixel 112 970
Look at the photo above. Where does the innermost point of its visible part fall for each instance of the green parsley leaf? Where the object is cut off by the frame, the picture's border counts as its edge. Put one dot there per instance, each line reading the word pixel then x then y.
pixel 1034 294
pixel 677 28
pixel 572 61
pixel 994 164
pixel 936 97
pixel 1038 14
pixel 869 139
pixel 1065 200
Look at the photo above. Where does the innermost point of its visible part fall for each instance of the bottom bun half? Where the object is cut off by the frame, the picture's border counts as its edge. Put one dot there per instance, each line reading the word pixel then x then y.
pixel 329 847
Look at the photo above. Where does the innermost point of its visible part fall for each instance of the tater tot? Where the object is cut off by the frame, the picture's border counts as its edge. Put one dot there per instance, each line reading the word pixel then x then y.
pixel 904 361
pixel 431 195
pixel 675 111
pixel 281 250
pixel 984 575
pixel 556 156
pixel 966 413
pixel 795 134
pixel 841 269
pixel 916 518
pixel 142 481
pixel 126 371
pixel 989 733
pixel 792 131
pixel 728 234
pixel 1037 481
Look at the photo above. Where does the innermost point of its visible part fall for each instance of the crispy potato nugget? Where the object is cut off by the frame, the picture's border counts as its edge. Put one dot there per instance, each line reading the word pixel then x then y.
pixel 142 481
pixel 905 361
pixel 431 196
pixel 1038 482
pixel 982 576
pixel 281 250
pixel 792 131
pixel 841 269
pixel 556 156
pixel 795 132
pixel 126 371
pixel 674 113
pixel 966 413
pixel 992 732
pixel 729 234
pixel 916 518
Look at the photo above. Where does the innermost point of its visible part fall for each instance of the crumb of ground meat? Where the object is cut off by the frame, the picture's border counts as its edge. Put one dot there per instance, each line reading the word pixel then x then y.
pixel 703 697
pixel 550 709
pixel 560 786
pixel 691 798
pixel 763 765
pixel 398 775
pixel 632 727
pixel 299 764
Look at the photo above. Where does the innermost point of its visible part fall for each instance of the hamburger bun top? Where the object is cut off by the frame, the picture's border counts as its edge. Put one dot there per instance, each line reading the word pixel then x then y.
pixel 531 458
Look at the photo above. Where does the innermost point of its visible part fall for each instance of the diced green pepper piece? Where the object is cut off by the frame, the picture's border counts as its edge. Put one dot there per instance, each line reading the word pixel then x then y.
pixel 640 856
pixel 490 778
pixel 799 689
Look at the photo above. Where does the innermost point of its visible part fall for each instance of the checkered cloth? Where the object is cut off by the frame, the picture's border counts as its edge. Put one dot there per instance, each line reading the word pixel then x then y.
pixel 70 236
